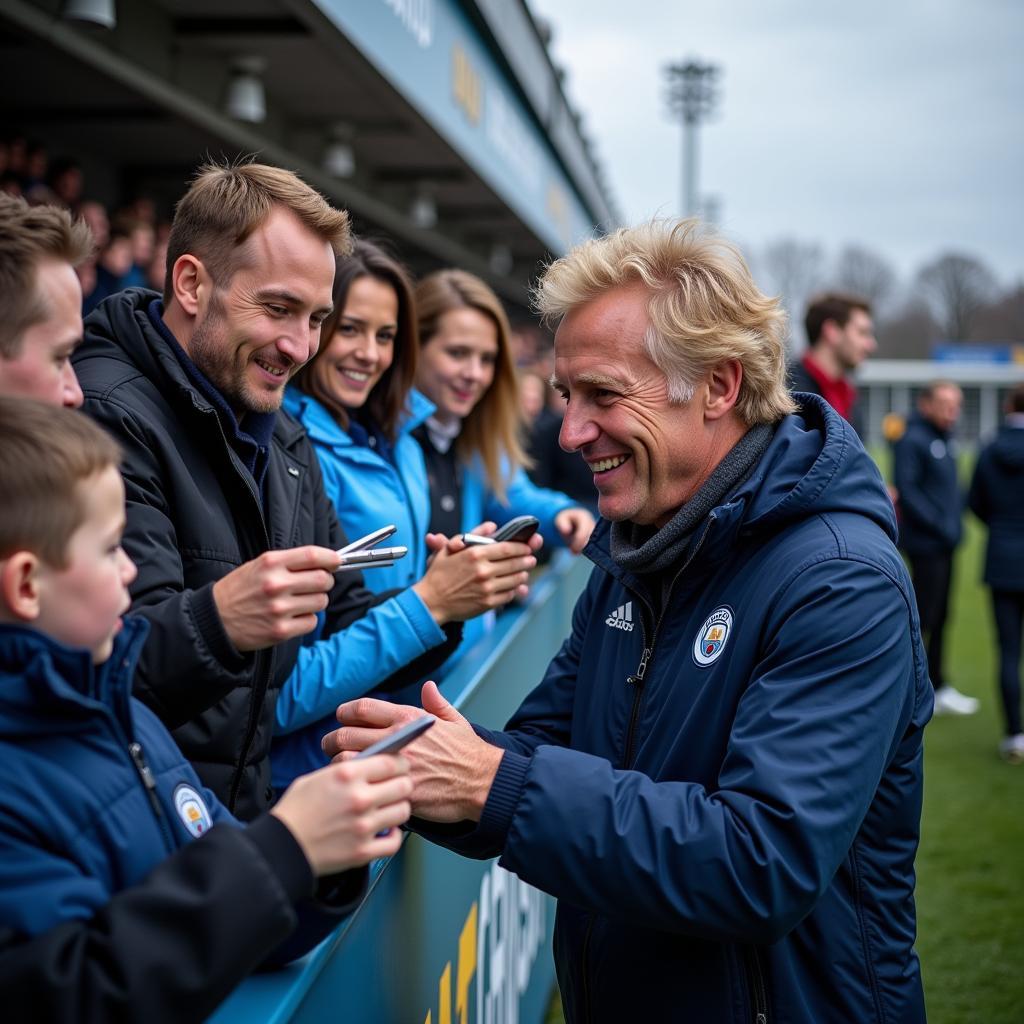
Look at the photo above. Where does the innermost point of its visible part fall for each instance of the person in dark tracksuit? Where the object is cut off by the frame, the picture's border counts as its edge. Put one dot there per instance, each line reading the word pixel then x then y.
pixel 720 775
pixel 128 892
pixel 931 523
pixel 997 498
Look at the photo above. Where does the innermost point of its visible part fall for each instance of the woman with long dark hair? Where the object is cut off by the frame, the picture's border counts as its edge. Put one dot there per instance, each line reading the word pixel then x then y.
pixel 356 401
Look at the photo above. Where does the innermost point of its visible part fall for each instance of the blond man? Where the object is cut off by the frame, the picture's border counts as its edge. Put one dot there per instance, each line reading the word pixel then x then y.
pixel 719 776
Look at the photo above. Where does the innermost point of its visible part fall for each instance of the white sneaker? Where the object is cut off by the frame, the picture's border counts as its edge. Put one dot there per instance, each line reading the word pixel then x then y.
pixel 950 701
pixel 1012 749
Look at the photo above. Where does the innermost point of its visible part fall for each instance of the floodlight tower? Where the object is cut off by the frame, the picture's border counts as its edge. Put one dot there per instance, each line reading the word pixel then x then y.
pixel 692 95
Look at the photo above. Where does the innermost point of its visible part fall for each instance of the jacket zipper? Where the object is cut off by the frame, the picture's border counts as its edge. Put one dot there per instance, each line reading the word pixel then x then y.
pixel 637 679
pixel 259 658
pixel 583 959
pixel 138 757
pixel 637 682
pixel 755 983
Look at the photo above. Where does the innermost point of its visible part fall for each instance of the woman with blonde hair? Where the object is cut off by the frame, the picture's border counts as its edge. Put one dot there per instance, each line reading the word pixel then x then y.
pixel 472 444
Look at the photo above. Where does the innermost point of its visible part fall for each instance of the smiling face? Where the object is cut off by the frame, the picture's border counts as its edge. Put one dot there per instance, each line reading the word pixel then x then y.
pixel 456 365
pixel 647 455
pixel 82 603
pixel 254 333
pixel 41 367
pixel 352 362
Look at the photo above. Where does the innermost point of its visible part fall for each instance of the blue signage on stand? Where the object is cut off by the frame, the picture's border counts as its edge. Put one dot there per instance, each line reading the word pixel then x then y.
pixel 432 55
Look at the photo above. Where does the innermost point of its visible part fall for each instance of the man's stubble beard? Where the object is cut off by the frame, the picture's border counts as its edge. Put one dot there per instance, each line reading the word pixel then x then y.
pixel 209 350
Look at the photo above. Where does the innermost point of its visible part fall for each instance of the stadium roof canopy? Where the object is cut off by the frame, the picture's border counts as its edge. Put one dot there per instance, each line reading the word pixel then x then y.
pixel 450 105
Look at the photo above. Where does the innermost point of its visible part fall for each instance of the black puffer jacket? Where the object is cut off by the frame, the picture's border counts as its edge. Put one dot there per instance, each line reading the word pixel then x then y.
pixel 194 515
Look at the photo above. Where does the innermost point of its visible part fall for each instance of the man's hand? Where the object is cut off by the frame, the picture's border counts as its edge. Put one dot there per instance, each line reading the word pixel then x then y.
pixel 575 525
pixel 275 597
pixel 452 768
pixel 337 814
pixel 461 582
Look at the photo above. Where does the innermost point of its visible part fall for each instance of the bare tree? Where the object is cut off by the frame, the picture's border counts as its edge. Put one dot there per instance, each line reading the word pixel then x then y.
pixel 957 287
pixel 1003 320
pixel 865 273
pixel 793 270
pixel 908 333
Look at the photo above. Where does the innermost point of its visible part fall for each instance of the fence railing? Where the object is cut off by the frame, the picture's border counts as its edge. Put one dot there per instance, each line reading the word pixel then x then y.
pixel 440 939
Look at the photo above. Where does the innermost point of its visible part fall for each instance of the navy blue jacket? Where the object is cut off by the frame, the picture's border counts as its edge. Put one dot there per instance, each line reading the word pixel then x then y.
pixel 726 803
pixel 127 890
pixel 925 475
pixel 997 499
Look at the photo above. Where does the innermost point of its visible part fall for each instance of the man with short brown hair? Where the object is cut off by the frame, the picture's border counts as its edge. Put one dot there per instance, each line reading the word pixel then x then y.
pixel 40 300
pixel 234 537
pixel 840 336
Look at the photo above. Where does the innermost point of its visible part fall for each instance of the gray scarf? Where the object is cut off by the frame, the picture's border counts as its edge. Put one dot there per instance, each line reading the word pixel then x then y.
pixel 639 550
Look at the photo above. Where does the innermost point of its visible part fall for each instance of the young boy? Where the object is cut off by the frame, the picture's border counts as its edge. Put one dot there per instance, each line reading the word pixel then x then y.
pixel 127 891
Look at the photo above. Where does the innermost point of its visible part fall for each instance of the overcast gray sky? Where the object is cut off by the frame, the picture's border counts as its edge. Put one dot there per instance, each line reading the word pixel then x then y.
pixel 894 124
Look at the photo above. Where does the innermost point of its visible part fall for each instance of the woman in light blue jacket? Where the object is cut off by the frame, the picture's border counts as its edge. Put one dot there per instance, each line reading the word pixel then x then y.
pixel 355 400
pixel 472 443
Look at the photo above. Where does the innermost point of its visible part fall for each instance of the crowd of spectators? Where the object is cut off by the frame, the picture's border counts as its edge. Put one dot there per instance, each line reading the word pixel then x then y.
pixel 130 239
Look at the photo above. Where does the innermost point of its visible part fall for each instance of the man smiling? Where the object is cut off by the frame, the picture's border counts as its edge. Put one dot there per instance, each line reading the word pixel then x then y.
pixel 725 799
pixel 228 521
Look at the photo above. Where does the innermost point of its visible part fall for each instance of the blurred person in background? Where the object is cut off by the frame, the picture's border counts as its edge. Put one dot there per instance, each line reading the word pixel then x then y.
pixel 532 396
pixel 143 244
pixel 37 163
pixel 997 498
pixel 356 400
pixel 156 272
pixel 66 183
pixel 40 300
pixel 94 213
pixel 840 336
pixel 931 507
pixel 112 268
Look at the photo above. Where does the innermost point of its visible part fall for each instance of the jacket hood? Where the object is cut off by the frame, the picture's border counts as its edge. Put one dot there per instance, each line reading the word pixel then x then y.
pixel 119 329
pixel 815 465
pixel 47 687
pixel 1008 448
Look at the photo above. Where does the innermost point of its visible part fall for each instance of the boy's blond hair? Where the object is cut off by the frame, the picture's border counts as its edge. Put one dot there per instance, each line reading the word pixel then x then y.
pixel 47 453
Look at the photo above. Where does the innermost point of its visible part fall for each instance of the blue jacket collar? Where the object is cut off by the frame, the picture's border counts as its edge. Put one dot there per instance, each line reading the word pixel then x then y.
pixel 324 429
pixel 41 673
pixel 814 465
pixel 251 444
